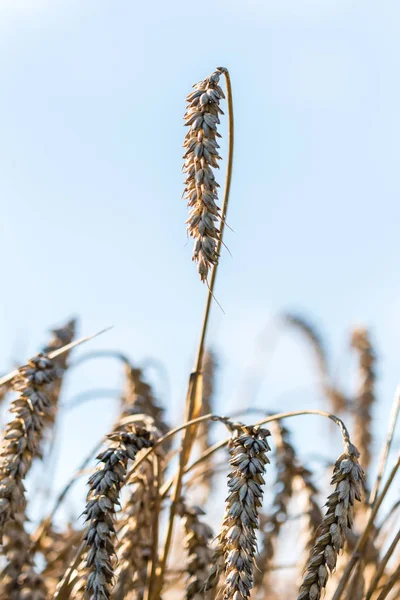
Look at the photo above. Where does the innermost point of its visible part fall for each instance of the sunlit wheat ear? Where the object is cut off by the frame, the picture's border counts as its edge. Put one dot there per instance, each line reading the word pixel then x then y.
pixel 24 433
pixel 18 578
pixel 365 398
pixel 237 539
pixel 135 534
pixel 58 549
pixel 61 337
pixel 348 478
pixel 138 398
pixel 313 512
pixel 197 543
pixel 334 395
pixel 103 497
pixel 286 470
pixel 201 157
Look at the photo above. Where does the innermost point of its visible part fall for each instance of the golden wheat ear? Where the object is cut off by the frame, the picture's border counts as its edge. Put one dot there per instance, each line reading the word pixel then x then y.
pixel 197 543
pixel 348 478
pixel 365 398
pixel 237 542
pixel 104 493
pixel 201 158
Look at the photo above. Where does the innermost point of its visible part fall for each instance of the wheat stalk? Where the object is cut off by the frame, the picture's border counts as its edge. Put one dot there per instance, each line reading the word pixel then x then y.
pixel 194 391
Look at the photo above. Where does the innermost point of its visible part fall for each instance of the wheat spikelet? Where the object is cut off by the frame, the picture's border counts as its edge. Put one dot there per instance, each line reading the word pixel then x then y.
pixel 360 341
pixel 24 433
pixel 237 541
pixel 348 478
pixel 201 157
pixel 104 491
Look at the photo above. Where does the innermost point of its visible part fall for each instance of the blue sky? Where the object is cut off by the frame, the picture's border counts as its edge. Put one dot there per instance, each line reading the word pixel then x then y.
pixel 92 99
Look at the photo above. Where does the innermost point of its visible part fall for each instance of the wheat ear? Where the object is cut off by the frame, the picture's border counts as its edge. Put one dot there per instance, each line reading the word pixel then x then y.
pixel 104 491
pixel 201 157
pixel 197 543
pixel 313 511
pixel 237 540
pixel 348 478
pixel 285 462
pixel 336 398
pixel 24 433
pixel 138 398
pixel 360 341
pixel 134 551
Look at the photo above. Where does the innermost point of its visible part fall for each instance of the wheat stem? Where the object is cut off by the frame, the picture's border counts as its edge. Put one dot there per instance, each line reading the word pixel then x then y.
pixel 195 377
pixel 157 467
pixel 393 579
pixel 382 566
pixel 386 446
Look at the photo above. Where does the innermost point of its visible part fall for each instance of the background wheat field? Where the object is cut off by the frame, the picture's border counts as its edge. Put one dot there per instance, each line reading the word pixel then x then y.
pixel 224 426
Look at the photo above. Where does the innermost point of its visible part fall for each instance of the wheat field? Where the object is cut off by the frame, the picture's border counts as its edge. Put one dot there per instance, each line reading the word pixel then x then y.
pixel 146 531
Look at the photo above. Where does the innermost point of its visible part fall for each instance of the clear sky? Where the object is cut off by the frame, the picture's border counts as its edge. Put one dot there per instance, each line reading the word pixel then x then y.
pixel 92 221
